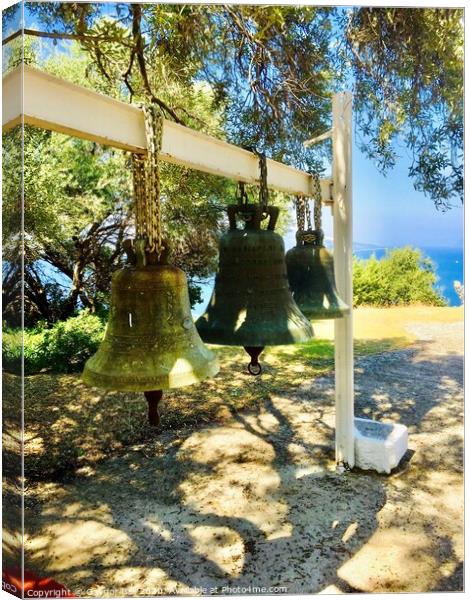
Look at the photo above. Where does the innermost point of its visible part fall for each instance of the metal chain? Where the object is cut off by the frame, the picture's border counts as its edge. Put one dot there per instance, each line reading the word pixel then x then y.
pixel 302 207
pixel 300 212
pixel 263 180
pixel 243 196
pixel 317 201
pixel 153 131
pixel 138 172
pixel 308 213
pixel 146 177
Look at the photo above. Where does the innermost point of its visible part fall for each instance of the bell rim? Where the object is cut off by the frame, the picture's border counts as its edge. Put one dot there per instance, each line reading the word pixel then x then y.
pixel 318 313
pixel 324 316
pixel 216 337
pixel 98 380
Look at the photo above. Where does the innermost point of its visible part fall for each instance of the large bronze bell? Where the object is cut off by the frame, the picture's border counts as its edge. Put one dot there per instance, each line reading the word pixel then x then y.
pixel 251 305
pixel 310 269
pixel 151 342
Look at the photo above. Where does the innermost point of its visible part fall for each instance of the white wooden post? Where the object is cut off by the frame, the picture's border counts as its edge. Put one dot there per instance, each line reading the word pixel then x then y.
pixel 342 234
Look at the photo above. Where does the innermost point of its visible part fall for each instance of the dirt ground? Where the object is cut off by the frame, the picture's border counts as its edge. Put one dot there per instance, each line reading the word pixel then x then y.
pixel 252 503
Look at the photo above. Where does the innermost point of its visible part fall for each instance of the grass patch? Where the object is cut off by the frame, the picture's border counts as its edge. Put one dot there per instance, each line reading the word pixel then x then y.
pixel 70 426
pixel 319 354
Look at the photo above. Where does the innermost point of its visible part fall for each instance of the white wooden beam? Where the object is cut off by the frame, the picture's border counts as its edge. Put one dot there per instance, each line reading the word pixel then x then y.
pixel 58 105
pixel 342 232
pixel 12 98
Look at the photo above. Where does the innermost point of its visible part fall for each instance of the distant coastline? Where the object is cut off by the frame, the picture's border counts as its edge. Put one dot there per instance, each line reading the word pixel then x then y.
pixel 448 264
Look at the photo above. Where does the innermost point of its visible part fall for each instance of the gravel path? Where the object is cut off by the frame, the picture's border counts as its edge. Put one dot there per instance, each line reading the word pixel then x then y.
pixel 256 503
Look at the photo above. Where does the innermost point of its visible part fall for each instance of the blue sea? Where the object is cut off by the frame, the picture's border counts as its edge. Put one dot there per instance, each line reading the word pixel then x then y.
pixel 448 264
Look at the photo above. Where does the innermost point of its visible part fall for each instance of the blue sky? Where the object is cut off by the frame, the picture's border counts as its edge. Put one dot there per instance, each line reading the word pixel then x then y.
pixel 388 211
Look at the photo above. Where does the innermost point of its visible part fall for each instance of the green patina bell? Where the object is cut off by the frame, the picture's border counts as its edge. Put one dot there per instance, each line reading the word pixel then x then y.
pixel 310 269
pixel 151 342
pixel 251 305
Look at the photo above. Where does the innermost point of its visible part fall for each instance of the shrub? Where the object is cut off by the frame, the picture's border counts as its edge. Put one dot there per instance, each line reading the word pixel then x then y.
pixel 11 350
pixel 33 355
pixel 68 344
pixel 63 348
pixel 403 276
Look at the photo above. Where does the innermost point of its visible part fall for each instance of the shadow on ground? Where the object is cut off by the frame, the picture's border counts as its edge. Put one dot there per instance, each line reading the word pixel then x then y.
pixel 244 494
pixel 234 505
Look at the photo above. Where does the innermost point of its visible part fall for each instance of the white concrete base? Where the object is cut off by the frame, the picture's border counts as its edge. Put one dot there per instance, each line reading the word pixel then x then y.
pixel 379 446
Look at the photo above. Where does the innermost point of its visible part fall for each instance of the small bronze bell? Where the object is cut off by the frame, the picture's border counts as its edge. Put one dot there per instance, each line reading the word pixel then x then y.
pixel 251 305
pixel 151 342
pixel 310 269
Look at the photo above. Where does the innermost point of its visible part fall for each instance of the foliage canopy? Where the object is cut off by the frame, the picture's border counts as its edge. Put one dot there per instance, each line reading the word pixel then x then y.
pixel 272 71
pixel 256 75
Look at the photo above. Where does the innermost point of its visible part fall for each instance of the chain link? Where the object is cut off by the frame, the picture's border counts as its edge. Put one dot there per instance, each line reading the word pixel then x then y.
pixel 146 175
pixel 302 207
pixel 263 180
pixel 317 201
pixel 300 212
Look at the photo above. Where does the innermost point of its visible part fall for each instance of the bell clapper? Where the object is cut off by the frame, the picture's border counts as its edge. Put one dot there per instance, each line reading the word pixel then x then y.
pixel 254 367
pixel 153 398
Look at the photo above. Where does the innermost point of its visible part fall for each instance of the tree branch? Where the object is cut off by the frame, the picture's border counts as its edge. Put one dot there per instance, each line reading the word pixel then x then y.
pixel 127 72
pixel 65 36
pixel 139 51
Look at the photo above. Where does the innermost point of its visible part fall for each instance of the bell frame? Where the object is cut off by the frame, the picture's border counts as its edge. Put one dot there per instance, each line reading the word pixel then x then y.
pixel 33 97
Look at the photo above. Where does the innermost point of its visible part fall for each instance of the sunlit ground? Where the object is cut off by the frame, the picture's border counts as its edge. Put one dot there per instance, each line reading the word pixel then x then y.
pixel 238 487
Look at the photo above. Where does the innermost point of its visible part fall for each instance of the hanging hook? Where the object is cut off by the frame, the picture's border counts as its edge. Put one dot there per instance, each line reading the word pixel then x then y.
pixel 254 367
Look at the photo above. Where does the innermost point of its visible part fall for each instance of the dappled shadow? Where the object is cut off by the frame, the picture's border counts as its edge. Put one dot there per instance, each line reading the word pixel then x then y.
pixel 422 391
pixel 453 582
pixel 421 387
pixel 231 505
pixel 70 425
pixel 405 386
pixel 12 485
pixel 67 425
pixel 250 499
